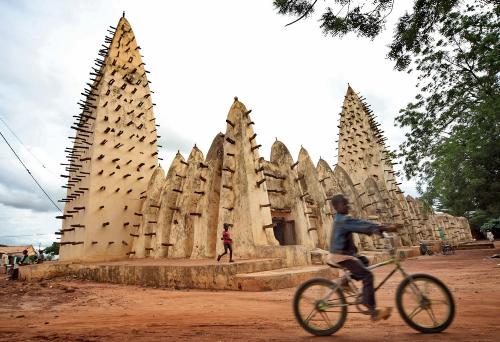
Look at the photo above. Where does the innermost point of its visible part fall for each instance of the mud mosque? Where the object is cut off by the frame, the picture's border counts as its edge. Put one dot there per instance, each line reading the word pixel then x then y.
pixel 121 204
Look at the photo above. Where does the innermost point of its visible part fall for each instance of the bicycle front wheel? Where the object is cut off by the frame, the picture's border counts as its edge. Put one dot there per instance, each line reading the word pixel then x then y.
pixel 425 303
pixel 320 307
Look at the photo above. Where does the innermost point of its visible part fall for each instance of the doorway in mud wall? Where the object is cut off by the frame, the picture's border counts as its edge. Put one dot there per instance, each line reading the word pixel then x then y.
pixel 284 231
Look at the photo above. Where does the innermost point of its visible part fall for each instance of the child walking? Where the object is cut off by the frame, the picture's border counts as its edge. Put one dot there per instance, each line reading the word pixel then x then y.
pixel 226 239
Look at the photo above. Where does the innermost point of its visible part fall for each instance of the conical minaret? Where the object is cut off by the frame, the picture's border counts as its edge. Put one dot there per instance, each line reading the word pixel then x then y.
pixel 113 155
pixel 361 147
pixel 363 155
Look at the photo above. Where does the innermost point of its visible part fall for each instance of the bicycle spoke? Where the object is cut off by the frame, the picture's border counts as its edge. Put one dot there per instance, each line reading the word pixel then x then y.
pixel 415 312
pixel 431 315
pixel 311 315
pixel 309 299
pixel 326 318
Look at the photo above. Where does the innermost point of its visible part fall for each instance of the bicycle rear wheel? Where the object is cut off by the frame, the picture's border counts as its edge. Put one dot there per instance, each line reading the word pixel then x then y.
pixel 425 303
pixel 320 307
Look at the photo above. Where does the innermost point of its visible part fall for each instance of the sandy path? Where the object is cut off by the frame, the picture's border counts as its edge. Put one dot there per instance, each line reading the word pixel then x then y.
pixel 85 311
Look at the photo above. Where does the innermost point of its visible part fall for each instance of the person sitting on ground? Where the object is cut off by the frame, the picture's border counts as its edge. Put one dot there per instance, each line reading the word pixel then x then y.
pixel 14 268
pixel 424 249
pixel 10 266
pixel 25 259
pixel 226 239
pixel 344 252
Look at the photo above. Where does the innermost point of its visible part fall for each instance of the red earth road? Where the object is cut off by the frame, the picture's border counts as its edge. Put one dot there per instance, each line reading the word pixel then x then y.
pixel 62 310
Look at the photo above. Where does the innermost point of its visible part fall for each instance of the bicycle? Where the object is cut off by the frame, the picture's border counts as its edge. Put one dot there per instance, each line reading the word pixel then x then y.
pixel 413 298
pixel 447 248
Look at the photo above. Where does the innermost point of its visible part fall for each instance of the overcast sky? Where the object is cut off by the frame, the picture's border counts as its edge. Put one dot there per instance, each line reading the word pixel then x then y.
pixel 200 54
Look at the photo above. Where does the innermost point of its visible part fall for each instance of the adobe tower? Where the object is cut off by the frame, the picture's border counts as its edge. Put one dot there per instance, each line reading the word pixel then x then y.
pixel 113 156
pixel 186 208
pixel 363 155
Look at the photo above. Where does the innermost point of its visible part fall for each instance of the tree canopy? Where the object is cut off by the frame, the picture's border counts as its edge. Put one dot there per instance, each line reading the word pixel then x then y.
pixel 52 249
pixel 453 126
pixel 492 224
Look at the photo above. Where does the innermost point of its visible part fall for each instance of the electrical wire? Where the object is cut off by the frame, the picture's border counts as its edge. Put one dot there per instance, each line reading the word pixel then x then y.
pixel 14 236
pixel 29 172
pixel 26 147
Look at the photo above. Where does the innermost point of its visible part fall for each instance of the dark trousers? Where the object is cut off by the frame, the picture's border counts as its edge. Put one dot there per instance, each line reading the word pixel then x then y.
pixel 15 274
pixel 360 272
pixel 227 246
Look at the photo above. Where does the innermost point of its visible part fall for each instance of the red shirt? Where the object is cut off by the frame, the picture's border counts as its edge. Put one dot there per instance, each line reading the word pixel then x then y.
pixel 226 238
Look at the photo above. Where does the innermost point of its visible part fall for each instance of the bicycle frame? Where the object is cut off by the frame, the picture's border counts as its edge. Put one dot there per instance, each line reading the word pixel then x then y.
pixel 384 263
pixel 394 260
pixel 398 267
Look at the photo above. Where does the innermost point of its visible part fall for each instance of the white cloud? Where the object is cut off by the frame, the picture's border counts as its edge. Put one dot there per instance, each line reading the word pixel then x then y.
pixel 24 227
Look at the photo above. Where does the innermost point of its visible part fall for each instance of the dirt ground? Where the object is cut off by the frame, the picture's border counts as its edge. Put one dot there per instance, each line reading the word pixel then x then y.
pixel 62 310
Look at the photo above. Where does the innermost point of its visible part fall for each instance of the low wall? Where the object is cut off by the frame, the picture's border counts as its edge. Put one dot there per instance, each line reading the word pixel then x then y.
pixel 284 278
pixel 47 270
pixel 476 245
pixel 173 273
pixel 208 276
pixel 382 255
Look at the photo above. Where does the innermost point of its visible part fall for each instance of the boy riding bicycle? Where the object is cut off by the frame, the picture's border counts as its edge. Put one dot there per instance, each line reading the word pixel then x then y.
pixel 344 252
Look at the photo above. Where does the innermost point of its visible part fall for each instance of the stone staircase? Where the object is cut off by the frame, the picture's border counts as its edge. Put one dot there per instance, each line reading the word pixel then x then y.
pixel 262 274
pixel 282 278
pixel 475 245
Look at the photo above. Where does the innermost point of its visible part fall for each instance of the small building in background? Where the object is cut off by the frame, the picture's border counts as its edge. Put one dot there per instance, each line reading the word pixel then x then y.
pixel 17 250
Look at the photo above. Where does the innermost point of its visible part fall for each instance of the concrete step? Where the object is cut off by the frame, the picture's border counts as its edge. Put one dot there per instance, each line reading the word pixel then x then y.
pixel 476 245
pixel 319 256
pixel 282 278
pixel 408 252
pixel 374 257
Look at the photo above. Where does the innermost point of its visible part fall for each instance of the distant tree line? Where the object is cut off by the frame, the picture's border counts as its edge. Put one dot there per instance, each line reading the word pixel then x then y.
pixel 52 249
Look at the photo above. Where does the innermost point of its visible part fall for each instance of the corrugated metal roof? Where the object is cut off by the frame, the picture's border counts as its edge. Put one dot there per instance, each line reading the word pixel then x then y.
pixel 17 249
